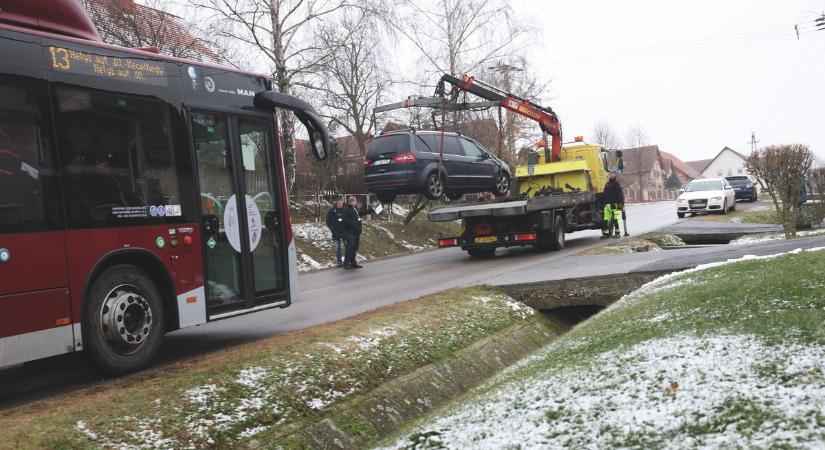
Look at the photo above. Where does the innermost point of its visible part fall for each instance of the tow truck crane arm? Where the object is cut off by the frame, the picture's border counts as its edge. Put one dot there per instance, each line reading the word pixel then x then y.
pixel 546 117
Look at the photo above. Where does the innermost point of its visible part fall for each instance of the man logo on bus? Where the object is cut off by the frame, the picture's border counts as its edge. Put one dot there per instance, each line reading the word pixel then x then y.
pixel 209 84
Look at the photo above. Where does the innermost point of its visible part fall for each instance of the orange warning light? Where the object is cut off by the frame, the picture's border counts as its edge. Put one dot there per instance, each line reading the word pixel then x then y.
pixel 579 139
pixel 192 299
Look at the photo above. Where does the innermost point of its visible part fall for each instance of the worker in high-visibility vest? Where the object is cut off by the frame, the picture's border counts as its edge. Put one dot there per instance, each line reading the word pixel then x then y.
pixel 613 200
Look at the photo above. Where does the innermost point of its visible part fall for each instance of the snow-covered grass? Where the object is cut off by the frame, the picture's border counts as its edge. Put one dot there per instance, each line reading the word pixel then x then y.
pixel 770 237
pixel 727 355
pixel 253 392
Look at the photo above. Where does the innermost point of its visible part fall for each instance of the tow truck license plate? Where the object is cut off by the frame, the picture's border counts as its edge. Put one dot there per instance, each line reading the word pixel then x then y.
pixel 485 239
pixel 381 162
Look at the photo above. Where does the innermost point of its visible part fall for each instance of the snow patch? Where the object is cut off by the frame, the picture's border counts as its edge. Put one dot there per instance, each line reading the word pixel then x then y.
pixel 651 394
pixel 758 239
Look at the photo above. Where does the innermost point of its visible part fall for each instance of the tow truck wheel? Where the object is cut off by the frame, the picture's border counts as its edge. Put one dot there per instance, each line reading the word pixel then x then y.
pixel 558 234
pixel 434 186
pixel 502 186
pixel 481 252
pixel 122 320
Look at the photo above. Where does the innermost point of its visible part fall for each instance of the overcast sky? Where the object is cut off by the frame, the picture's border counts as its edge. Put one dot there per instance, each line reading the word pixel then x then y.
pixel 699 75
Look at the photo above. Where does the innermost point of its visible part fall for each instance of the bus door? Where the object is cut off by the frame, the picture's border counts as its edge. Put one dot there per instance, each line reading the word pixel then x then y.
pixel 243 239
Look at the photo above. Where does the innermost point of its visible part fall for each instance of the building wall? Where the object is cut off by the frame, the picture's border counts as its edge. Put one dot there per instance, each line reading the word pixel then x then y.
pixel 726 164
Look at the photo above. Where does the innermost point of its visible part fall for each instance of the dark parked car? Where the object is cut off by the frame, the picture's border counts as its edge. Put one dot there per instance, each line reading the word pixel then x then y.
pixel 406 162
pixel 744 187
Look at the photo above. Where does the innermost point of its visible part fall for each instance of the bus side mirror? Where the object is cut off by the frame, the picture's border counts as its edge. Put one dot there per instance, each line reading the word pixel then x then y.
pixel 318 134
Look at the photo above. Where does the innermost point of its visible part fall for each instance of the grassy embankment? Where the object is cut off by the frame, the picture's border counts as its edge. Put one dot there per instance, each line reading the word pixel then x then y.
pixel 729 356
pixel 252 392
pixel 648 242
pixel 381 238
pixel 762 214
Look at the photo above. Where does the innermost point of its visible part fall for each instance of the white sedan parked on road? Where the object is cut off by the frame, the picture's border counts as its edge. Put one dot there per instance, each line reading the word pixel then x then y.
pixel 706 195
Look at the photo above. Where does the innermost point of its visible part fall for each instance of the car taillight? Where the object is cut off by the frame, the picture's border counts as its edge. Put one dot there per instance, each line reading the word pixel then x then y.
pixel 405 157
pixel 367 162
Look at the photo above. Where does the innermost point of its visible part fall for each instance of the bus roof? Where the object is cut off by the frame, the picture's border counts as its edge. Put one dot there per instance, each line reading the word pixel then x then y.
pixel 68 20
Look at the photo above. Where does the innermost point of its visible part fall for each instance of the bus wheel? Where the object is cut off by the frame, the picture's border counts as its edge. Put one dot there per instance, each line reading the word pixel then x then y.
pixel 123 320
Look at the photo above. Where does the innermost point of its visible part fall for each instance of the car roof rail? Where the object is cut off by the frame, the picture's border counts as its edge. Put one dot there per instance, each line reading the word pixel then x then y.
pixel 400 130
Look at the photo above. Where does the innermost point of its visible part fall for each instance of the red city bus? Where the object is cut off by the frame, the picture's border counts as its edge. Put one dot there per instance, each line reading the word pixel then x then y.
pixel 139 193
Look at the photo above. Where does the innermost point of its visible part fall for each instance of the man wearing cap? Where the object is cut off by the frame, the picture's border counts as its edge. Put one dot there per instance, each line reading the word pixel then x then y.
pixel 613 199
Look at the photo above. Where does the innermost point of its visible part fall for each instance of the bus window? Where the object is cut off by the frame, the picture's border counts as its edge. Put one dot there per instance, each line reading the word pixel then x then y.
pixel 27 185
pixel 117 156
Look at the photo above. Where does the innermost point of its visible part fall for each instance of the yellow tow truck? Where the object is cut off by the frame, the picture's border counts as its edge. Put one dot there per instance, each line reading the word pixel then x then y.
pixel 549 200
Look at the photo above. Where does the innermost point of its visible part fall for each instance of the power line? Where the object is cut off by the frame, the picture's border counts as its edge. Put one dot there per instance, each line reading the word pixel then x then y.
pixel 736 38
pixel 791 88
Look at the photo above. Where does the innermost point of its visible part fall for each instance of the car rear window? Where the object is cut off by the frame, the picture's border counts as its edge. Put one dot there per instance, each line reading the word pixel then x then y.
pixel 388 146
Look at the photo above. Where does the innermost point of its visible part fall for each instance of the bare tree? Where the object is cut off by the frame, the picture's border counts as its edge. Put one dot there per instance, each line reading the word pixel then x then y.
pixel 636 138
pixel 354 80
pixel 456 36
pixel 781 168
pixel 816 187
pixel 128 24
pixel 280 33
pixel 604 135
pixel 513 75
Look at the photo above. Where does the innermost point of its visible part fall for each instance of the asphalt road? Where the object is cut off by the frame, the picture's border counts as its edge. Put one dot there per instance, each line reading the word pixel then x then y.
pixel 327 296
pixel 335 294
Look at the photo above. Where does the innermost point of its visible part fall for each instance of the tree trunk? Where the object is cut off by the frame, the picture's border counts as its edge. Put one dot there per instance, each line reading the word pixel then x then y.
pixel 282 81
pixel 420 204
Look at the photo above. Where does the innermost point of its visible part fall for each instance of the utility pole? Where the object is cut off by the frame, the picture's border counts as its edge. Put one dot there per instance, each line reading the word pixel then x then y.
pixel 753 141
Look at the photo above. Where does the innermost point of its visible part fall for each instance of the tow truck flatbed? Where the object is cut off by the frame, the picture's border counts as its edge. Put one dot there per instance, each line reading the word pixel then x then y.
pixel 510 208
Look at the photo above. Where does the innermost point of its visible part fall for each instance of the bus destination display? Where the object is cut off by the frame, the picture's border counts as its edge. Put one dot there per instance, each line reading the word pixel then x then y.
pixel 129 69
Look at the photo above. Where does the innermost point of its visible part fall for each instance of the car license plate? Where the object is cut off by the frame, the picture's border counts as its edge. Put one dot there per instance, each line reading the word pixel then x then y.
pixel 381 162
pixel 486 239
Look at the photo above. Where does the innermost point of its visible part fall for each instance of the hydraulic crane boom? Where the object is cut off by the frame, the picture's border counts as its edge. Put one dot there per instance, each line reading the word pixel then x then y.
pixel 546 117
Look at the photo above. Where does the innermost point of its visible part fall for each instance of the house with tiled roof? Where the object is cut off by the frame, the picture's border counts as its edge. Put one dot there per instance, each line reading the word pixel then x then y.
pixel 644 173
pixel 681 169
pixel 728 162
pixel 130 24
pixel 699 165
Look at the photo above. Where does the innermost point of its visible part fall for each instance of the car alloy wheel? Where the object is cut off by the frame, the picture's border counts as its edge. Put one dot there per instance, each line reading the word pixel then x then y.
pixel 435 188
pixel 502 183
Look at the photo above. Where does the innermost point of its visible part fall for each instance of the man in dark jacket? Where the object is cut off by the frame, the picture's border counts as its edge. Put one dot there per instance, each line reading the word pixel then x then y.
pixel 352 231
pixel 335 223
pixel 613 199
